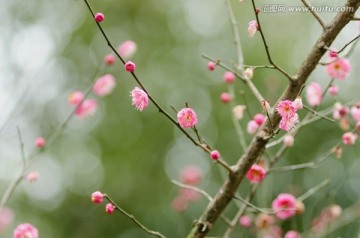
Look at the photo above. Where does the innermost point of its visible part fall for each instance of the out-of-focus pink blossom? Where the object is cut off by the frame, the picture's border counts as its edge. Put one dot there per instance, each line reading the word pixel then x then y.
pixel 349 138
pixel 256 174
pixel 86 108
pixel 229 77
pixel 259 119
pixel 190 194
pixel 238 111
pixel 264 221
pixel 314 94
pixel 104 85
pixel 252 28
pixel 109 59
pixel 211 66
pixel 252 127
pixel 97 197
pixel 40 142
pixel 355 111
pixel 284 206
pixel 225 97
pixel 191 175
pixel 25 230
pixel 249 73
pixel 292 234
pixel 245 221
pixel 179 204
pixel 340 111
pixel 333 90
pixel 32 177
pixel 127 49
pixel 110 208
pixel 289 140
pixel 75 98
pixel 6 217
pixel 339 69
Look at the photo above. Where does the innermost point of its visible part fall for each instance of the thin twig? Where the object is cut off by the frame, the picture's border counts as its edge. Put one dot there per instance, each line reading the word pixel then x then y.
pixel 132 217
pixel 313 190
pixel 266 45
pixel 317 16
pixel 347 44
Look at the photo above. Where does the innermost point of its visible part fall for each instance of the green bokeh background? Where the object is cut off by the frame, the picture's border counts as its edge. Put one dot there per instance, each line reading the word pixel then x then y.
pixel 50 48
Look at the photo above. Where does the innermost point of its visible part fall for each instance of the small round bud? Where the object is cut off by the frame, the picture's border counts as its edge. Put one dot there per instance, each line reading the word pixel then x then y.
pixel 300 207
pixel 229 77
pixel 110 208
pixel 109 59
pixel 245 221
pixel 225 97
pixel 215 155
pixel 257 10
pixel 40 142
pixel 99 17
pixel 97 197
pixel 211 66
pixel 130 66
pixel 333 54
pixel 32 177
pixel 289 140
pixel 249 73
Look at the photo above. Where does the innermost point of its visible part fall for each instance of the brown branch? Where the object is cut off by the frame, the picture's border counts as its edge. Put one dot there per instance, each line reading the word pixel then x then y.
pixel 255 149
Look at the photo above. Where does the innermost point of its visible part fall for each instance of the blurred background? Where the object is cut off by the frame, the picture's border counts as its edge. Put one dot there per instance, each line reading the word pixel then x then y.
pixel 49 49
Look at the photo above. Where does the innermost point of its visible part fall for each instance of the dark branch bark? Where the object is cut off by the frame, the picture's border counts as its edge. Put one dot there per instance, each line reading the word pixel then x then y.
pixel 257 146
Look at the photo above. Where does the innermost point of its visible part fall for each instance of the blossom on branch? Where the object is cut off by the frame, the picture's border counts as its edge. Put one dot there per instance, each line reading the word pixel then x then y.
pixel 284 206
pixel 139 98
pixel 339 69
pixel 104 85
pixel 25 230
pixel 187 118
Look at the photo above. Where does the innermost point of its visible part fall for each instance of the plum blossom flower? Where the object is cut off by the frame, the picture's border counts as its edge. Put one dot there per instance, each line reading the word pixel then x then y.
pixel 229 77
pixel 191 175
pixel 289 140
pixel 238 111
pixel 130 66
pixel 339 69
pixel 287 124
pixel 25 230
pixel 32 177
pixel 190 194
pixel 187 118
pixel 284 206
pixel 97 197
pixel 256 174
pixel 211 66
pixel 99 17
pixel 215 155
pixel 127 49
pixel 252 127
pixel 286 109
pixel 139 98
pixel 104 85
pixel 252 28
pixel 110 208
pixel 179 204
pixel 314 94
pixel 333 90
pixel 75 98
pixel 340 111
pixel 109 59
pixel 6 217
pixel 40 142
pixel 249 73
pixel 349 138
pixel 225 97
pixel 245 221
pixel 292 234
pixel 86 108
pixel 355 112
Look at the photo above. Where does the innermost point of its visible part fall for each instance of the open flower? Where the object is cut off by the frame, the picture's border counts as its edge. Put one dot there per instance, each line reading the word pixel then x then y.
pixel 139 98
pixel 284 206
pixel 104 85
pixel 314 94
pixel 25 230
pixel 187 118
pixel 252 28
pixel 256 174
pixel 339 69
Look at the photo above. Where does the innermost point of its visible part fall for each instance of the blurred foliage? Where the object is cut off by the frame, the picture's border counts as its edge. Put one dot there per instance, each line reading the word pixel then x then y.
pixel 51 48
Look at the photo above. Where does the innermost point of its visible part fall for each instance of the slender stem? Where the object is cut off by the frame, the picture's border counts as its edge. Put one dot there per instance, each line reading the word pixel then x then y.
pixel 266 45
pixel 318 114
pixel 234 27
pixel 314 190
pixel 161 110
pixel 317 16
pixel 132 217
pixel 346 45
pixel 249 83
pixel 262 210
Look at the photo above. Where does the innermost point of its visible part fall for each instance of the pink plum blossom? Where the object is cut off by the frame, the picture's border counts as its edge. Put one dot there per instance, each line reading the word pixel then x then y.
pixel 287 124
pixel 190 194
pixel 355 112
pixel 284 206
pixel 314 94
pixel 97 197
pixel 215 155
pixel 256 174
pixel 127 49
pixel 340 111
pixel 25 230
pixel 40 142
pixel 225 97
pixel 32 177
pixel 211 66
pixel 245 221
pixel 110 208
pixel 86 108
pixel 179 204
pixel 349 138
pixel 130 66
pixel 333 90
pixel 187 118
pixel 298 104
pixel 104 85
pixel 75 98
pixel 109 59
pixel 191 175
pixel 139 98
pixel 339 69
pixel 229 77
pixel 292 234
pixel 252 127
pixel 264 221
pixel 259 119
pixel 252 28
pixel 99 17
pixel 286 109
